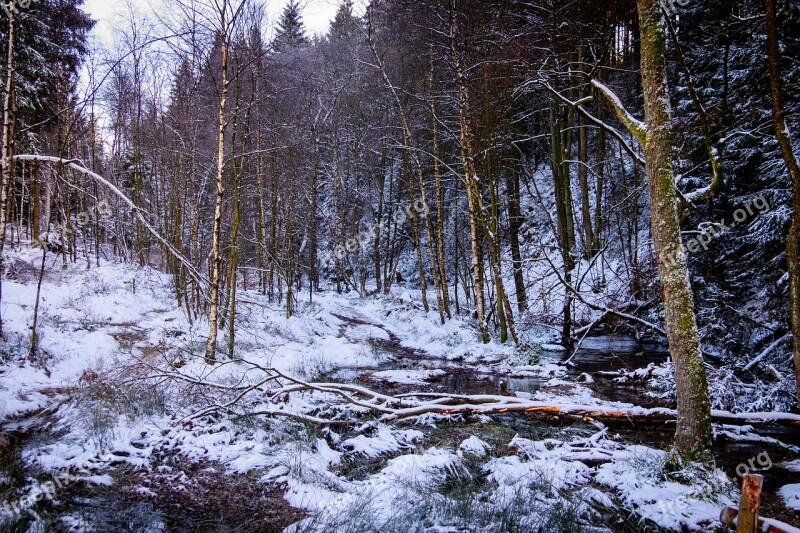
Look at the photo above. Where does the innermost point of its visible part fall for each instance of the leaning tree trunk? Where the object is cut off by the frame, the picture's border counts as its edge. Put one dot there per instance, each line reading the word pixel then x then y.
pixel 790 157
pixel 693 432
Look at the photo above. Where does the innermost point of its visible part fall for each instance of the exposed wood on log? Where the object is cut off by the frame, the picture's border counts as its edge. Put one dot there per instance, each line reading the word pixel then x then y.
pixel 412 405
pixel 766 525
pixel 749 503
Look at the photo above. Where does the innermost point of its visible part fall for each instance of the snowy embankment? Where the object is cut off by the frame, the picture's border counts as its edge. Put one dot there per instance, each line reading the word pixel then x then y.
pixel 115 387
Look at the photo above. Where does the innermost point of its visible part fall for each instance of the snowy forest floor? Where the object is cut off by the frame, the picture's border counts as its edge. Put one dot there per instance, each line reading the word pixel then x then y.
pixel 98 434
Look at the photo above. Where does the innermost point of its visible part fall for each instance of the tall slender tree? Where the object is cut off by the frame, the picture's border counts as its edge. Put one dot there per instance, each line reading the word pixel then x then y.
pixel 693 431
pixel 792 164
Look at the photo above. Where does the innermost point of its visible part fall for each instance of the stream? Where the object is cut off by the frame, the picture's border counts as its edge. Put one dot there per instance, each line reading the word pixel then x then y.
pixel 608 354
pixel 111 509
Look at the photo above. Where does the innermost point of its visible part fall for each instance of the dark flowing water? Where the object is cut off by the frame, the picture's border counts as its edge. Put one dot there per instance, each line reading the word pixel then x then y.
pixel 596 355
pixel 610 354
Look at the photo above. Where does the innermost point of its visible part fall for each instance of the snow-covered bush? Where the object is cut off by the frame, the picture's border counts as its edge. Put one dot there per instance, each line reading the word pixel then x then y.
pixel 313 367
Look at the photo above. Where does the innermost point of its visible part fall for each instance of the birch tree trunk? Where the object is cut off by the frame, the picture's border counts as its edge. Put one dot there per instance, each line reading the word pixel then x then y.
pixel 216 257
pixel 470 175
pixel 5 185
pixel 7 125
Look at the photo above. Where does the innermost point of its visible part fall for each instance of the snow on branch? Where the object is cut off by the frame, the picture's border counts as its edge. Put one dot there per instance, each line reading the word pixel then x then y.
pixel 613 131
pixel 768 350
pixel 634 125
pixel 358 401
pixel 75 164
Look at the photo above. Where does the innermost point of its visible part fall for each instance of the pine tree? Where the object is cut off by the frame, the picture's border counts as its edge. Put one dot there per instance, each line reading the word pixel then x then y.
pixel 291 29
pixel 345 24
pixel 793 166
pixel 51 42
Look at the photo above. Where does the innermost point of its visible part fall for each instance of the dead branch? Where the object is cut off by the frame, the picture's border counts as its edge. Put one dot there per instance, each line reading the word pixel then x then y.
pixel 766 352
pixel 137 211
pixel 413 405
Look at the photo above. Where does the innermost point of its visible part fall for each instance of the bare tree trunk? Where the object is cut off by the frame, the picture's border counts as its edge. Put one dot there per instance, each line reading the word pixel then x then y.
pixel 494 249
pixel 272 253
pixel 36 201
pixel 693 431
pixel 515 220
pixel 437 177
pixel 790 157
pixel 8 133
pixel 34 349
pixel 600 173
pixel 233 267
pixel 470 174
pixel 262 225
pixel 313 274
pixel 423 284
pixel 216 257
pixel 7 164
pixel 561 142
pixel 376 246
pixel 583 181
pixel 408 139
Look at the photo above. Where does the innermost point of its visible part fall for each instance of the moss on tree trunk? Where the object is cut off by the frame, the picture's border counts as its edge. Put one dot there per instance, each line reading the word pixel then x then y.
pixel 693 431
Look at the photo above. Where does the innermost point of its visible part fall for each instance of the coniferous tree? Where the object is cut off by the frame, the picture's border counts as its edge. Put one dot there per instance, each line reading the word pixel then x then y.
pixel 291 31
pixel 345 24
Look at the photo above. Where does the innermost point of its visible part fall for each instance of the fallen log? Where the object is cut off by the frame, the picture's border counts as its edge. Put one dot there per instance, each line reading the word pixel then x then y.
pixel 594 412
pixel 491 404
pixel 413 405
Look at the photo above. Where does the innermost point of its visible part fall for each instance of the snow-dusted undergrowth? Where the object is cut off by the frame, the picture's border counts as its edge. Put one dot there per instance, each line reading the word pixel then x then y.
pixel 98 397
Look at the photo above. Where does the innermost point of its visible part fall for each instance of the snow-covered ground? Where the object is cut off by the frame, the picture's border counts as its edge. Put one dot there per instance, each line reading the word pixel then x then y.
pixel 114 387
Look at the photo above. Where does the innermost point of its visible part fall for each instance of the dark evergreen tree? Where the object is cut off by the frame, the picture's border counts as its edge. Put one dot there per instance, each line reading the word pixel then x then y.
pixel 50 43
pixel 291 31
pixel 345 25
pixel 729 67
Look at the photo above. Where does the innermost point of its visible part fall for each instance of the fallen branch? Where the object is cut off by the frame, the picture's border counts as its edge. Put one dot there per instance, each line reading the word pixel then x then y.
pixel 585 331
pixel 768 350
pixel 413 405
pixel 137 211
pixel 615 312
pixel 602 308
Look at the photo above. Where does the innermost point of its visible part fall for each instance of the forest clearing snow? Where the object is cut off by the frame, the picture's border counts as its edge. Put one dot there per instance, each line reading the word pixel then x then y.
pixel 103 328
